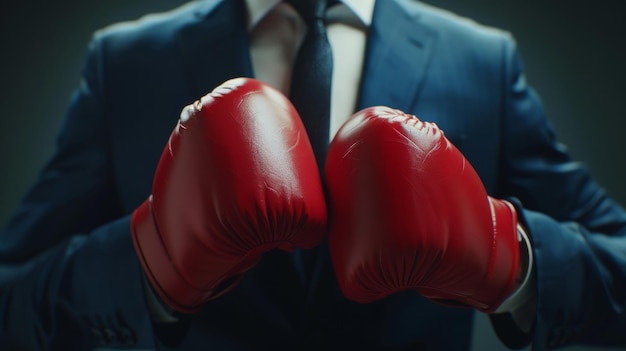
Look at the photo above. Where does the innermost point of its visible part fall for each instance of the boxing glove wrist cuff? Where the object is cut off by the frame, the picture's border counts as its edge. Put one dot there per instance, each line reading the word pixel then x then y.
pixel 168 283
pixel 525 289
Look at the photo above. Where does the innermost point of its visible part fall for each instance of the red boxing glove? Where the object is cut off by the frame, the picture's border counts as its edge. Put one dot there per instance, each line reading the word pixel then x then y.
pixel 236 179
pixel 409 212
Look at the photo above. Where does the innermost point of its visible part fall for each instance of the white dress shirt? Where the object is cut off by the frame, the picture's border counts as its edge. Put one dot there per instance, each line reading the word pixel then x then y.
pixel 276 32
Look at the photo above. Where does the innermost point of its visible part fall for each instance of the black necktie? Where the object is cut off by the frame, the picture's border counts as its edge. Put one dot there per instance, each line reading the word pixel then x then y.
pixel 310 91
pixel 311 77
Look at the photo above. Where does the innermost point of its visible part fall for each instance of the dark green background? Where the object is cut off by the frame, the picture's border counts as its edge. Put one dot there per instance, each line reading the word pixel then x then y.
pixel 574 54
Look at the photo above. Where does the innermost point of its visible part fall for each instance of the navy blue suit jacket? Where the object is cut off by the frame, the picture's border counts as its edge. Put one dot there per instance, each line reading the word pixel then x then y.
pixel 70 278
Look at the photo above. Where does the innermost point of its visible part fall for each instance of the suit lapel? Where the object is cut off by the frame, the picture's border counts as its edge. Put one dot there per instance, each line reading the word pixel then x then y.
pixel 215 46
pixel 398 53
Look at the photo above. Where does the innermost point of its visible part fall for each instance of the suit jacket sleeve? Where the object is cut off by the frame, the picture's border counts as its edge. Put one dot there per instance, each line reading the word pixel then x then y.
pixel 69 276
pixel 578 232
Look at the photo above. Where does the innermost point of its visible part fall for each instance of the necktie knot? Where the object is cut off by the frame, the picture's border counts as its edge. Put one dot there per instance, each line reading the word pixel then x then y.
pixel 310 10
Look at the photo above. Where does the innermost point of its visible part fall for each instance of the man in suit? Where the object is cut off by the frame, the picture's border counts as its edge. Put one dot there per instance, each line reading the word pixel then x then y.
pixel 73 277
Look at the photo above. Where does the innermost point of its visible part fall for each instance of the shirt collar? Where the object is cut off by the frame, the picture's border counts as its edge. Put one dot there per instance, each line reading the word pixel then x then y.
pixel 257 9
pixel 364 9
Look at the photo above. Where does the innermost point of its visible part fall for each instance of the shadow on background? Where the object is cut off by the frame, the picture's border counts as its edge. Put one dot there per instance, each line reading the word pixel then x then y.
pixel 574 55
